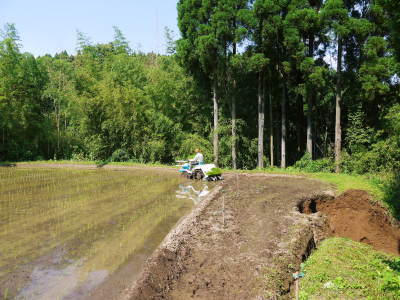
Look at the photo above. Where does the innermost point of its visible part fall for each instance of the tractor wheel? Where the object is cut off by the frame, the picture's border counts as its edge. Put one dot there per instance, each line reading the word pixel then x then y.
pixel 198 175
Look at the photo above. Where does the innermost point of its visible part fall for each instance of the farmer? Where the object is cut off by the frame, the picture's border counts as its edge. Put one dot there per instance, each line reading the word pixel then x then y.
pixel 198 158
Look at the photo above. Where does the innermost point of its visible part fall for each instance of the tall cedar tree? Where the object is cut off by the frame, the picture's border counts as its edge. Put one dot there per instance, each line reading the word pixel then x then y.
pixel 203 47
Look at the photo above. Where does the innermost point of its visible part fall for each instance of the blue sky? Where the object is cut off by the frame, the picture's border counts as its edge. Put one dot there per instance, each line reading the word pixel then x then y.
pixel 49 26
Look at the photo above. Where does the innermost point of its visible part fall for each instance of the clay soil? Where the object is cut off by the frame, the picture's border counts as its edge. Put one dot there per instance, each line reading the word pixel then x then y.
pixel 245 243
pixel 354 215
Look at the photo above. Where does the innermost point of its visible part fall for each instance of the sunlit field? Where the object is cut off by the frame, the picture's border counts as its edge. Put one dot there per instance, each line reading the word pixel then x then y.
pixel 83 221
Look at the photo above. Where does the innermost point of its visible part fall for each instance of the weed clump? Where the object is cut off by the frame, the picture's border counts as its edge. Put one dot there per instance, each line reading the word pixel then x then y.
pixel 306 164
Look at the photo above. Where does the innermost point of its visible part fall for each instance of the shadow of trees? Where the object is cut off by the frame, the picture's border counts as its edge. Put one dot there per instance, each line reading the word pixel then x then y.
pixel 391 191
pixel 7 165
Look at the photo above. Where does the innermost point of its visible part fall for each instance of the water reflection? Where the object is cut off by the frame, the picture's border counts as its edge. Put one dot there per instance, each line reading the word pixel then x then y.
pixel 192 191
pixel 48 283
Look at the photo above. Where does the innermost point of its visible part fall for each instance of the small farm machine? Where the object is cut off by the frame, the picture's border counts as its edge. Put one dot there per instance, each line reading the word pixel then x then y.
pixel 198 171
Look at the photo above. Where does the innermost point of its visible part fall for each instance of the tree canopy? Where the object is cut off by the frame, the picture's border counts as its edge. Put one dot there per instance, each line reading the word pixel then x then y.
pixel 314 80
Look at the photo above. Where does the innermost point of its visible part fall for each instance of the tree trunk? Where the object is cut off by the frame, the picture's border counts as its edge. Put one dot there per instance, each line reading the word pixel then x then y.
pixel 260 99
pixel 271 130
pixel 57 115
pixel 215 139
pixel 309 125
pixel 233 116
pixel 299 125
pixel 283 129
pixel 310 138
pixel 234 165
pixel 338 128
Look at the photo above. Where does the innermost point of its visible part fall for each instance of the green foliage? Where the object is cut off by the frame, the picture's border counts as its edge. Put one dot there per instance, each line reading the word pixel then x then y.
pixel 341 268
pixel 108 97
pixel 170 41
pixel 190 142
pixel 214 172
pixel 391 19
pixel 119 155
pixel 369 155
pixel 390 185
pixel 306 164
pixel 358 135
pixel 383 156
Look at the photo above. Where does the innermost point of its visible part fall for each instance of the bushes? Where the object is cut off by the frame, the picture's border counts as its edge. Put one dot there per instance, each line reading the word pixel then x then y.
pixel 192 141
pixel 384 156
pixel 308 165
pixel 119 155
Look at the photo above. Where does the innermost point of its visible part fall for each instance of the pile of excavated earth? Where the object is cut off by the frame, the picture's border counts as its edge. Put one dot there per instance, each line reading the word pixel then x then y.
pixel 252 232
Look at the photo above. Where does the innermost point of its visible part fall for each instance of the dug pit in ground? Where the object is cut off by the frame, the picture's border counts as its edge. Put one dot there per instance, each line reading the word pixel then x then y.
pixel 354 215
pixel 243 242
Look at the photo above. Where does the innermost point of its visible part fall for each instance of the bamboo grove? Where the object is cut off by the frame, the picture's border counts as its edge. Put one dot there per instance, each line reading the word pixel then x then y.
pixel 252 83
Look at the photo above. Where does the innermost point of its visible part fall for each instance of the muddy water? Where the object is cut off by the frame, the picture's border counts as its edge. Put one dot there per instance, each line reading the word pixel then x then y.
pixel 74 234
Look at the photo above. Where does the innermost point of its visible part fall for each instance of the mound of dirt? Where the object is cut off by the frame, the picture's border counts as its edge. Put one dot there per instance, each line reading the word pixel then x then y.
pixel 355 216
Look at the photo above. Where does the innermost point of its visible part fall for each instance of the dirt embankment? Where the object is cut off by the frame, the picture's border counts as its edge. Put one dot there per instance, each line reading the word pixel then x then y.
pixel 243 242
pixel 354 215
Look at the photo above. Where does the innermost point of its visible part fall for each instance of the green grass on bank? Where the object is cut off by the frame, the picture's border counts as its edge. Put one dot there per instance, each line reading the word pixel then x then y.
pixel 343 269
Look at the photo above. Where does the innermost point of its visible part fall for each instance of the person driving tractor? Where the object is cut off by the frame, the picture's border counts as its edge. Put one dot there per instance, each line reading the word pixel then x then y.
pixel 198 158
pixel 196 168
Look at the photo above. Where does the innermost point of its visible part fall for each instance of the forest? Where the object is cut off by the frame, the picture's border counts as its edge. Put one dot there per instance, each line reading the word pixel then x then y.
pixel 254 83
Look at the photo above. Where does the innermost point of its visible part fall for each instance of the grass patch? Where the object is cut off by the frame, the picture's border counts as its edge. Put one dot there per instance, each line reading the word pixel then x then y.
pixel 344 182
pixel 343 269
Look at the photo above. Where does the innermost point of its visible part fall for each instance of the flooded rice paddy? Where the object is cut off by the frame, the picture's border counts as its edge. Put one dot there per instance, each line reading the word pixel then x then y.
pixel 71 234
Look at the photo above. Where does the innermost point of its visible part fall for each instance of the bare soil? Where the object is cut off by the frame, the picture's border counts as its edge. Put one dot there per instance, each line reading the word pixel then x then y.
pixel 354 215
pixel 243 242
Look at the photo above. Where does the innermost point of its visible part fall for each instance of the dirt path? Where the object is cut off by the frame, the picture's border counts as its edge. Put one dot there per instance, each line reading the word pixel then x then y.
pixel 244 244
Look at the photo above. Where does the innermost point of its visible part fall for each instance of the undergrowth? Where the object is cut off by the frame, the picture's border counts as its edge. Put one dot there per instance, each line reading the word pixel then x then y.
pixel 344 269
